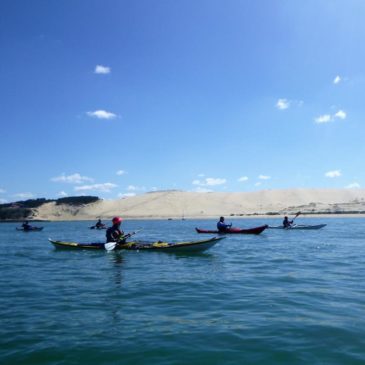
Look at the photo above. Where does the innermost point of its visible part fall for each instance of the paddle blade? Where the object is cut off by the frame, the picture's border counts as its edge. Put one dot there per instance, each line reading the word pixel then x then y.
pixel 110 246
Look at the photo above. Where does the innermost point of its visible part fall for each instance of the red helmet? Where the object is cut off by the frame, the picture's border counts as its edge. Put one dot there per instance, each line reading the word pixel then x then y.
pixel 117 220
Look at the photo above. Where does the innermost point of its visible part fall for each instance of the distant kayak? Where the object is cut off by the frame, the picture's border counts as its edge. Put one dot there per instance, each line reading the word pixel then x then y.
pixel 188 246
pixel 255 230
pixel 95 227
pixel 299 226
pixel 30 229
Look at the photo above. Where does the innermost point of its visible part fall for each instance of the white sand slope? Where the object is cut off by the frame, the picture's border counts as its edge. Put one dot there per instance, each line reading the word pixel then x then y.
pixel 175 204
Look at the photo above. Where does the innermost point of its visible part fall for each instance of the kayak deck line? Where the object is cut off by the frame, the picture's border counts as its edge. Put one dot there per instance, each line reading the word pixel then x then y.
pixel 255 230
pixel 201 245
pixel 299 227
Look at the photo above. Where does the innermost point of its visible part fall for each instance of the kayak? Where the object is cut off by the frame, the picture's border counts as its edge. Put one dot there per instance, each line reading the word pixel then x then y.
pixel 188 246
pixel 300 226
pixel 255 230
pixel 30 229
pixel 94 227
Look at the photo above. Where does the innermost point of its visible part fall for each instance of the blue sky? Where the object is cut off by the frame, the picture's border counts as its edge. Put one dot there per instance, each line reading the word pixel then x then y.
pixel 115 98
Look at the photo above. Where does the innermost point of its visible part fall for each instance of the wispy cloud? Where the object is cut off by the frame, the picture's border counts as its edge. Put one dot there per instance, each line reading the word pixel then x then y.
pixel 282 104
pixel 353 185
pixel 101 114
pixel 264 177
pixel 333 173
pixel 135 188
pixel 75 178
pixel 104 188
pixel 62 194
pixel 201 175
pixel 337 80
pixel 340 114
pixel 242 179
pixel 126 195
pixel 209 181
pixel 24 195
pixel 100 69
pixel 326 118
pixel 259 183
pixel 121 172
pixel 200 189
pixel 3 201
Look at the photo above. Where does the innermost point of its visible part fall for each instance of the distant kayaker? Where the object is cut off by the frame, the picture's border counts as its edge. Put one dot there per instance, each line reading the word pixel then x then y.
pixel 114 233
pixel 286 222
pixel 26 226
pixel 99 224
pixel 221 226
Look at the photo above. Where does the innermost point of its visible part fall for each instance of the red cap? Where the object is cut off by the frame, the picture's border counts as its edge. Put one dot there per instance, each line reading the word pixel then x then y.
pixel 117 220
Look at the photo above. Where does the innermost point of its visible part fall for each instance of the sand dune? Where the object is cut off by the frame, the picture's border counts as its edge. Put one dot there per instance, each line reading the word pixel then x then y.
pixel 175 204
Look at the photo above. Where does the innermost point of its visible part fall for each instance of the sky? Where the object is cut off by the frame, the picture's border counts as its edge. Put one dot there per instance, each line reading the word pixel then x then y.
pixel 115 98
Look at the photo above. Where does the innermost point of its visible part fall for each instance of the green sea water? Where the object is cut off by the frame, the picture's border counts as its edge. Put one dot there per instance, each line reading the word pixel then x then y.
pixel 284 297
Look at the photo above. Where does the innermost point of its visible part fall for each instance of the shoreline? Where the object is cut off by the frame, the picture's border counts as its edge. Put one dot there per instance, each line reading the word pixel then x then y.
pixel 164 218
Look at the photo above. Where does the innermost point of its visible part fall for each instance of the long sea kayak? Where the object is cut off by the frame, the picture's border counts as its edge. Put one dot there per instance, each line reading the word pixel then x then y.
pixel 30 229
pixel 299 226
pixel 188 246
pixel 255 230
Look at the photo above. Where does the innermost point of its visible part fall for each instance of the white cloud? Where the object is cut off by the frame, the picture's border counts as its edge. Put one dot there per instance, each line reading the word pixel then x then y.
pixel 199 189
pixel 121 172
pixel 243 178
pixel 62 194
pixel 258 183
pixel 201 175
pixel 282 104
pixel 75 178
pixel 126 195
pixel 2 191
pixel 101 114
pixel 333 173
pixel 3 201
pixel 24 195
pixel 99 69
pixel 209 181
pixel 325 118
pixel 353 185
pixel 104 188
pixel 340 114
pixel 264 177
pixel 337 79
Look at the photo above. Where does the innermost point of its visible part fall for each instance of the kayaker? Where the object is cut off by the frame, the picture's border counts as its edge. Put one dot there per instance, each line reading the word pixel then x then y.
pixel 26 226
pixel 114 233
pixel 286 222
pixel 99 224
pixel 221 226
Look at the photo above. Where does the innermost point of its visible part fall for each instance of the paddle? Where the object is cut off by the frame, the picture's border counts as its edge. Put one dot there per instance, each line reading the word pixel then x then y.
pixel 295 217
pixel 110 246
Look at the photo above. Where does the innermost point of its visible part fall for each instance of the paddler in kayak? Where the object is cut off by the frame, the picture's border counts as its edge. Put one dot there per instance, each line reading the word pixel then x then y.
pixel 287 223
pixel 99 224
pixel 114 233
pixel 221 226
pixel 26 226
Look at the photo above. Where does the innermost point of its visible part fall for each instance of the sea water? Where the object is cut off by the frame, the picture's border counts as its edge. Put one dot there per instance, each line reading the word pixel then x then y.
pixel 283 297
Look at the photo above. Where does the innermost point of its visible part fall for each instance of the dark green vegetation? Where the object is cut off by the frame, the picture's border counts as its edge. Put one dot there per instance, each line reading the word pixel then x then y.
pixel 25 209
